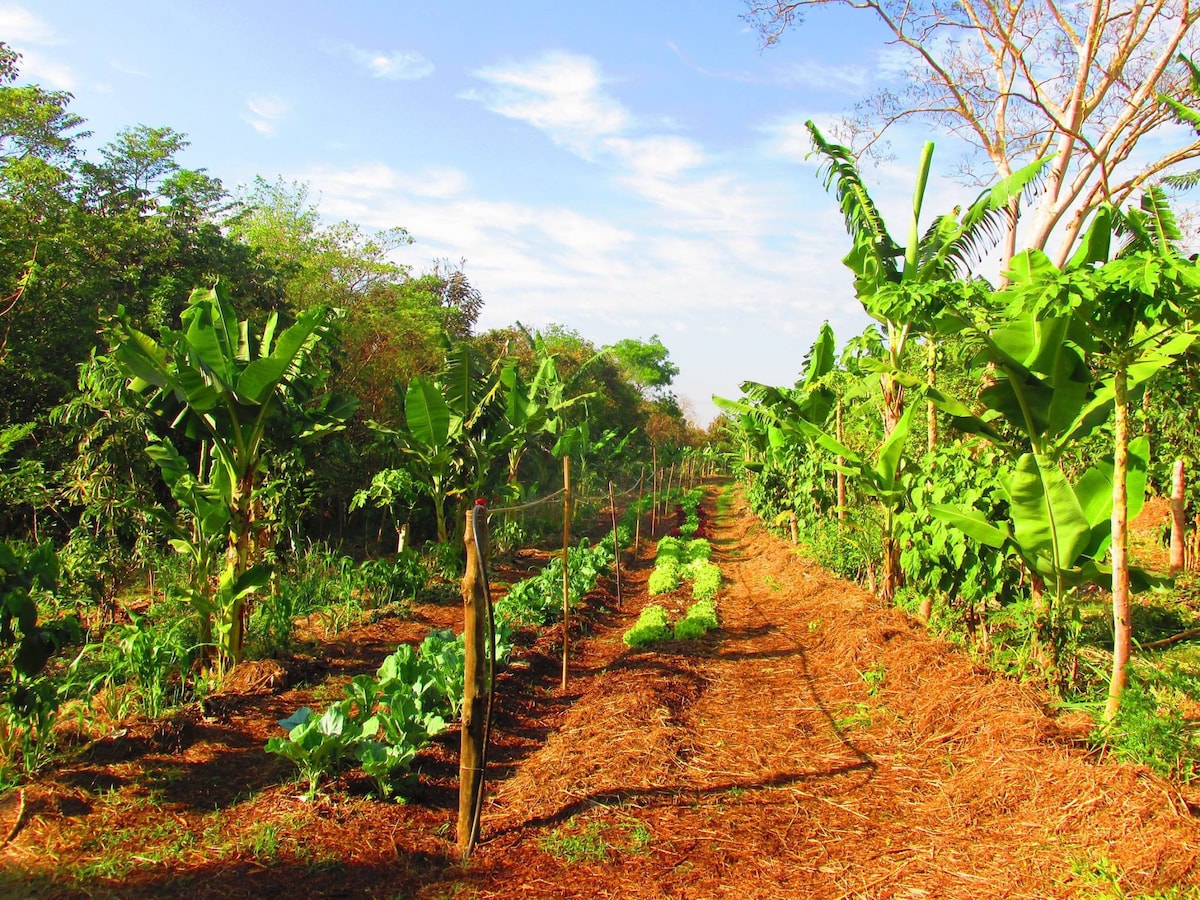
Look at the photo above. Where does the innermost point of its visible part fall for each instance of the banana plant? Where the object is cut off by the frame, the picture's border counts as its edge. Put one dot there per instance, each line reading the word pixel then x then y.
pixel 905 288
pixel 1133 300
pixel 229 388
pixel 1042 400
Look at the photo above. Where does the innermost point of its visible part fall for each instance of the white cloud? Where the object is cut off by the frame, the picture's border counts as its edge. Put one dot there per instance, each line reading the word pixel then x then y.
pixel 38 69
pixel 126 69
pixel 18 25
pixel 812 73
pixel 664 156
pixel 265 113
pixel 398 65
pixel 560 93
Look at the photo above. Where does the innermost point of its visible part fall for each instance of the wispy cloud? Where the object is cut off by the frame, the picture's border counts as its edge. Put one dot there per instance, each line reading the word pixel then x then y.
pixel 20 28
pixel 126 69
pixel 47 72
pixel 560 93
pixel 812 73
pixel 263 113
pixel 396 65
pixel 18 25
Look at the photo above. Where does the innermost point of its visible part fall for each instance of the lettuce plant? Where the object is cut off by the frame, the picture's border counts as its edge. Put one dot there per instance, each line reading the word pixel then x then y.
pixel 650 627
pixel 701 618
pixel 666 577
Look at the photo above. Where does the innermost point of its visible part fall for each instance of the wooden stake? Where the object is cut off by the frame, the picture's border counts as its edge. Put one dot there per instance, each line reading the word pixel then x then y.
pixel 612 503
pixel 566 627
pixel 474 709
pixel 653 492
pixel 1178 482
pixel 637 530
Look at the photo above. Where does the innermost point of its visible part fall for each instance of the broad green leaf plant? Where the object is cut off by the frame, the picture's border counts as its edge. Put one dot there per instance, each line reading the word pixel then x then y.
pixel 227 387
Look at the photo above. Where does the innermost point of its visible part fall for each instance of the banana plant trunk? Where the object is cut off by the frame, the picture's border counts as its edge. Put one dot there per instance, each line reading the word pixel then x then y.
pixel 1122 625
pixel 841 461
pixel 1178 522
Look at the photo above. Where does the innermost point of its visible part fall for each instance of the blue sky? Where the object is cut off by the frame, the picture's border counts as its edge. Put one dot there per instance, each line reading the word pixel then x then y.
pixel 625 169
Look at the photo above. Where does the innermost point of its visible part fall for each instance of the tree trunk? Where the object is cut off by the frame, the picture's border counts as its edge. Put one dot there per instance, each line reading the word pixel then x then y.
pixel 1122 625
pixel 1178 483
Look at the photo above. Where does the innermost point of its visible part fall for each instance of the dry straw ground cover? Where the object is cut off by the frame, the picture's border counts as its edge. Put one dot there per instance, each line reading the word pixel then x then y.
pixel 815 745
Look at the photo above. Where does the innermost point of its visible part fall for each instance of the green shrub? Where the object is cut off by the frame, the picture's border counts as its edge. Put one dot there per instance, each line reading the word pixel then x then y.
pixel 701 618
pixel 650 627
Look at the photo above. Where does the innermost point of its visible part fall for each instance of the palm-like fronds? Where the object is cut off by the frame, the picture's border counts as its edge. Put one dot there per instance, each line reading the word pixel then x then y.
pixel 863 219
pixel 1150 226
pixel 991 216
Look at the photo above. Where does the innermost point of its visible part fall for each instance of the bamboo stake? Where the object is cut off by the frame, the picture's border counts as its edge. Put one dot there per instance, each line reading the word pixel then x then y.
pixel 566 628
pixel 653 492
pixel 474 709
pixel 612 502
pixel 637 530
pixel 1178 481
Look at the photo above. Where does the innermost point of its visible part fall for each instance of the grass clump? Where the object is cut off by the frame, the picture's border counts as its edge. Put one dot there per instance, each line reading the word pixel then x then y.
pixel 701 618
pixel 650 628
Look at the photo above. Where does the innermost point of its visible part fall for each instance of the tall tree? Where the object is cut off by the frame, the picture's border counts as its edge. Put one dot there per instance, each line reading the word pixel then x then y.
pixel 1023 81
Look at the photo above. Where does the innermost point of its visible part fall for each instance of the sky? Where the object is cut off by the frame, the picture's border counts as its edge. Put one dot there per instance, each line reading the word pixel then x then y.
pixel 623 169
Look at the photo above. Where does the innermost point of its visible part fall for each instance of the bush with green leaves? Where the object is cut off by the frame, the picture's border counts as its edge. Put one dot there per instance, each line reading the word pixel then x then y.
pixel 155 657
pixel 700 619
pixel 29 697
pixel 322 745
pixel 392 580
pixel 651 627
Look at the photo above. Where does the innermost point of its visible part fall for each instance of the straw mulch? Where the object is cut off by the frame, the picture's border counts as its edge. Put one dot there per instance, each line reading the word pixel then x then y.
pixel 820 745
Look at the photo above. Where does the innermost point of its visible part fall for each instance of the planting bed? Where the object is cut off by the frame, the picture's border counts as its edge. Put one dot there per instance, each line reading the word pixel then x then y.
pixel 816 745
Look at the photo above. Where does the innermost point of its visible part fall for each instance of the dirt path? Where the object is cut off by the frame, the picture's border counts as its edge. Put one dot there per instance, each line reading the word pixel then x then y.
pixel 817 745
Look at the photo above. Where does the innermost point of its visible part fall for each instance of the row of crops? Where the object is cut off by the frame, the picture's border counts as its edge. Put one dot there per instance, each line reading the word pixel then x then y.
pixel 680 561
pixel 384 721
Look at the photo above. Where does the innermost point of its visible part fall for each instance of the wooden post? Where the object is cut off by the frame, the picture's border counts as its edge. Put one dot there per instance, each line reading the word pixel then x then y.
pixel 637 529
pixel 667 493
pixel 1178 482
pixel 474 709
pixel 612 503
pixel 566 625
pixel 653 491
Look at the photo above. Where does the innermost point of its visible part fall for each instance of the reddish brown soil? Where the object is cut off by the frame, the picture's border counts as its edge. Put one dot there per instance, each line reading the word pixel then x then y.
pixel 817 745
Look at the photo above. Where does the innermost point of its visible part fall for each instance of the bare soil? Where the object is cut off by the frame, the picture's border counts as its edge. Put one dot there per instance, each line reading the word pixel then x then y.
pixel 817 745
